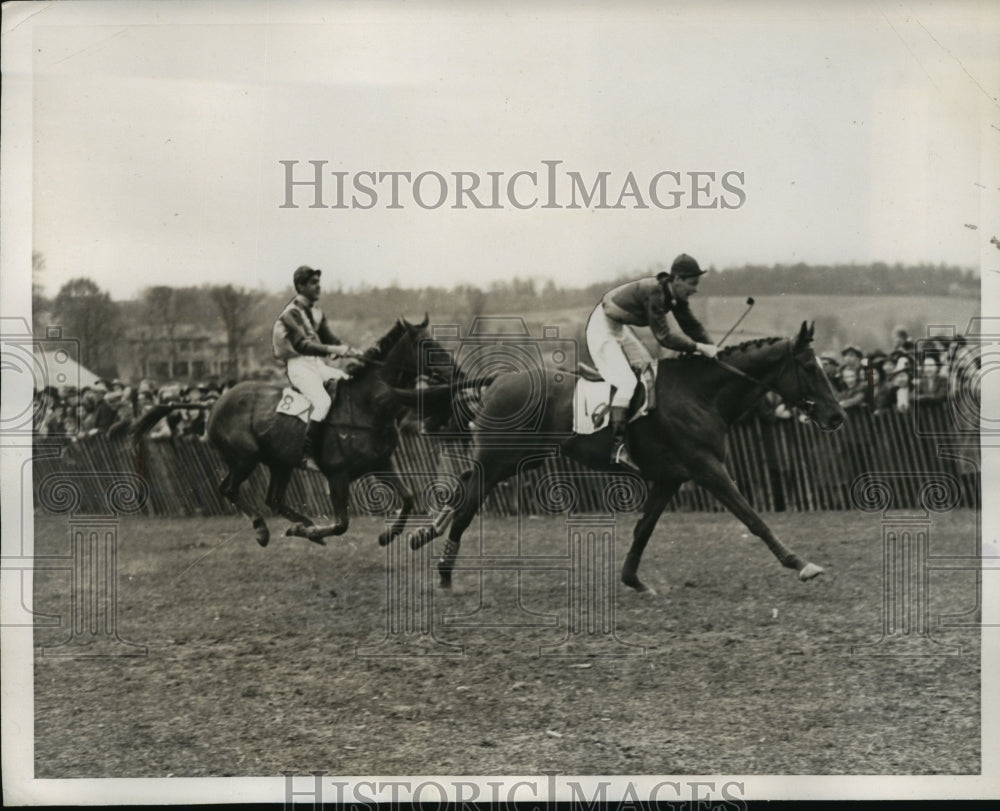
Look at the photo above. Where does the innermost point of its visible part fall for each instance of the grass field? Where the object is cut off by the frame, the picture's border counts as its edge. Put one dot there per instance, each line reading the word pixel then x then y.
pixel 735 667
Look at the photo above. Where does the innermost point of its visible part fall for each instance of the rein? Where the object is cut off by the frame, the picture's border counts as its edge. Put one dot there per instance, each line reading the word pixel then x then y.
pixel 765 383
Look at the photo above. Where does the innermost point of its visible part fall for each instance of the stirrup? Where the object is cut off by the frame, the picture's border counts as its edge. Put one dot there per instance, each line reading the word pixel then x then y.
pixel 309 463
pixel 622 457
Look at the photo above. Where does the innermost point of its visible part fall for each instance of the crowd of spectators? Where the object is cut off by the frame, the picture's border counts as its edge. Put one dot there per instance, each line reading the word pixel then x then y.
pixel 109 408
pixel 929 371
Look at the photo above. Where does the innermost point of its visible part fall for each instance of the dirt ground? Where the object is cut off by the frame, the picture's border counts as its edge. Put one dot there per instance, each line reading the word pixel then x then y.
pixel 262 660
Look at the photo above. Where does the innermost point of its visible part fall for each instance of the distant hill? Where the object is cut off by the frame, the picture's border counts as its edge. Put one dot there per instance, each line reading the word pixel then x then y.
pixel 865 321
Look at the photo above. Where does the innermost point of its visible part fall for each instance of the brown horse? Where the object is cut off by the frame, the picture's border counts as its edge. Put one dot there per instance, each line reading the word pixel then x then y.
pixel 682 439
pixel 359 437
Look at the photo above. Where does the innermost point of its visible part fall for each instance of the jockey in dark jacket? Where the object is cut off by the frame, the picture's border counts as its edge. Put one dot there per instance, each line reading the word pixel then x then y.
pixel 615 347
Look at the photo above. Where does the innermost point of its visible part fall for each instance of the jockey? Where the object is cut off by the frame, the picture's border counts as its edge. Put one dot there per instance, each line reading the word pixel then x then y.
pixel 302 339
pixel 614 346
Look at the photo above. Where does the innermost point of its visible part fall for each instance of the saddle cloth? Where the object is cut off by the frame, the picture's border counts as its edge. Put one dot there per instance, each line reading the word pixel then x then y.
pixel 592 401
pixel 294 404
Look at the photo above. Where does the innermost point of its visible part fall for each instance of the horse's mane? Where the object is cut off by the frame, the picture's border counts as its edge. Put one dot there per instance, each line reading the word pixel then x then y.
pixel 746 346
pixel 730 351
pixel 385 343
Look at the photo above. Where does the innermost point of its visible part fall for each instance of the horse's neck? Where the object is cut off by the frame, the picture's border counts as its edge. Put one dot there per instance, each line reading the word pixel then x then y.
pixel 756 360
pixel 394 371
pixel 733 394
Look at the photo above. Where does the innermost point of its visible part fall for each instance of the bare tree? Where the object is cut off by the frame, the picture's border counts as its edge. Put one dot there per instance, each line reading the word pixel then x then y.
pixel 235 305
pixel 161 315
pixel 87 313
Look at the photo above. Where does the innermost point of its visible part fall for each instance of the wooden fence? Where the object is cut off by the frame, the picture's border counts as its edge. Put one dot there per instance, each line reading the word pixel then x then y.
pixel 778 465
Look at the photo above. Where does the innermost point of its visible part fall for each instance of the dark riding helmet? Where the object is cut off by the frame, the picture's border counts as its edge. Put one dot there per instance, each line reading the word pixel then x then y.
pixel 686 267
pixel 303 274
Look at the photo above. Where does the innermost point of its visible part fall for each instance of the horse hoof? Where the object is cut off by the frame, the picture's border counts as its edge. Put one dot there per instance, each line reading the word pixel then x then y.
pixel 294 530
pixel 445 581
pixel 640 588
pixel 810 570
pixel 317 539
pixel 263 536
pixel 385 538
pixel 421 537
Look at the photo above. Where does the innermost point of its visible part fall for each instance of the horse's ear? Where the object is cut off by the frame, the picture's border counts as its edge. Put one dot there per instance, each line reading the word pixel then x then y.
pixel 804 337
pixel 423 324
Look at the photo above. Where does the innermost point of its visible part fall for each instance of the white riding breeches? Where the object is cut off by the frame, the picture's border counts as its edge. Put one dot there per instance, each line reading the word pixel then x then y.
pixel 308 373
pixel 615 348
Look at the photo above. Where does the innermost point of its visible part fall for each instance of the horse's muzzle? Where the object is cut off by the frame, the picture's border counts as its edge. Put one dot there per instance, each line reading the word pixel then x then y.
pixel 829 420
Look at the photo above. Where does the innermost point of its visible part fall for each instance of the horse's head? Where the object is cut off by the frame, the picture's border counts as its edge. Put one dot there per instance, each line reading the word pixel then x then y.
pixel 803 383
pixel 400 351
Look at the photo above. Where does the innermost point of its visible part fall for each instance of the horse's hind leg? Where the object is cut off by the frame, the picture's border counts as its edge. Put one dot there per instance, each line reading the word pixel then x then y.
pixel 275 499
pixel 239 472
pixel 656 502
pixel 407 500
pixel 478 487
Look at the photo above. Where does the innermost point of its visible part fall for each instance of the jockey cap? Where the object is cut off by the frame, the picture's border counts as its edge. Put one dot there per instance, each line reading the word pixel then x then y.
pixel 303 274
pixel 686 267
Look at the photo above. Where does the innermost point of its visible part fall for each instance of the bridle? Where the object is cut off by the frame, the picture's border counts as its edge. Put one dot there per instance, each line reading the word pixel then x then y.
pixel 766 384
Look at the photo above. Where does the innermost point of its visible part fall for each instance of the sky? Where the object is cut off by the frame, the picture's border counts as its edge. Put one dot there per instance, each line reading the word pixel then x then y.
pixel 857 134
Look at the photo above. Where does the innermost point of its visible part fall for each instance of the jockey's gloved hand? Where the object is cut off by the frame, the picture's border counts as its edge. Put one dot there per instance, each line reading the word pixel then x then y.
pixel 708 350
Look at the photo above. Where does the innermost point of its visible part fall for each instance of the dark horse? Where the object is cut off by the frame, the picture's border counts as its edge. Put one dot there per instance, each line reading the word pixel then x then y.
pixel 683 438
pixel 359 436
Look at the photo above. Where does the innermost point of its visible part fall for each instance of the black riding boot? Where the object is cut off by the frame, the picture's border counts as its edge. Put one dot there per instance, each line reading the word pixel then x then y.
pixel 619 447
pixel 314 431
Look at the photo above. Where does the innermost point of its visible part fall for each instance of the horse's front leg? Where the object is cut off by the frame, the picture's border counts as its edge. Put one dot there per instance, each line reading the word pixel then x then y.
pixel 425 534
pixel 717 481
pixel 656 502
pixel 406 502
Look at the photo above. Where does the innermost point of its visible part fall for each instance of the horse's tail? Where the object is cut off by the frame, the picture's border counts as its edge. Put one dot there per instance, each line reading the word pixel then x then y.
pixel 142 425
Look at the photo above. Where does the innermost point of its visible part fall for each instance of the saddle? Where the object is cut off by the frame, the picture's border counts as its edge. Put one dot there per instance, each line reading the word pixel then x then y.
pixel 592 398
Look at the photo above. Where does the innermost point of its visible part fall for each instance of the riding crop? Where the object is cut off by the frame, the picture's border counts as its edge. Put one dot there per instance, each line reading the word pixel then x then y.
pixel 738 322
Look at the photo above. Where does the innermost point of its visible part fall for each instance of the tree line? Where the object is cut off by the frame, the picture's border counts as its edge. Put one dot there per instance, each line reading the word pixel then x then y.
pixel 102 325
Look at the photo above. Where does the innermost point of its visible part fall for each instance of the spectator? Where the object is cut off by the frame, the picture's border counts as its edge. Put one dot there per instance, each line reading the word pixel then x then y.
pixel 104 413
pixel 44 402
pixel 955 357
pixel 902 380
pixel 853 389
pixel 118 400
pixel 884 393
pixel 900 338
pixel 930 386
pixel 851 356
pixel 88 404
pixel 831 367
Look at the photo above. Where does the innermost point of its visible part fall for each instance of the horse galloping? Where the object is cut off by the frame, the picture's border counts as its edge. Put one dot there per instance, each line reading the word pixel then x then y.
pixel 682 439
pixel 359 436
